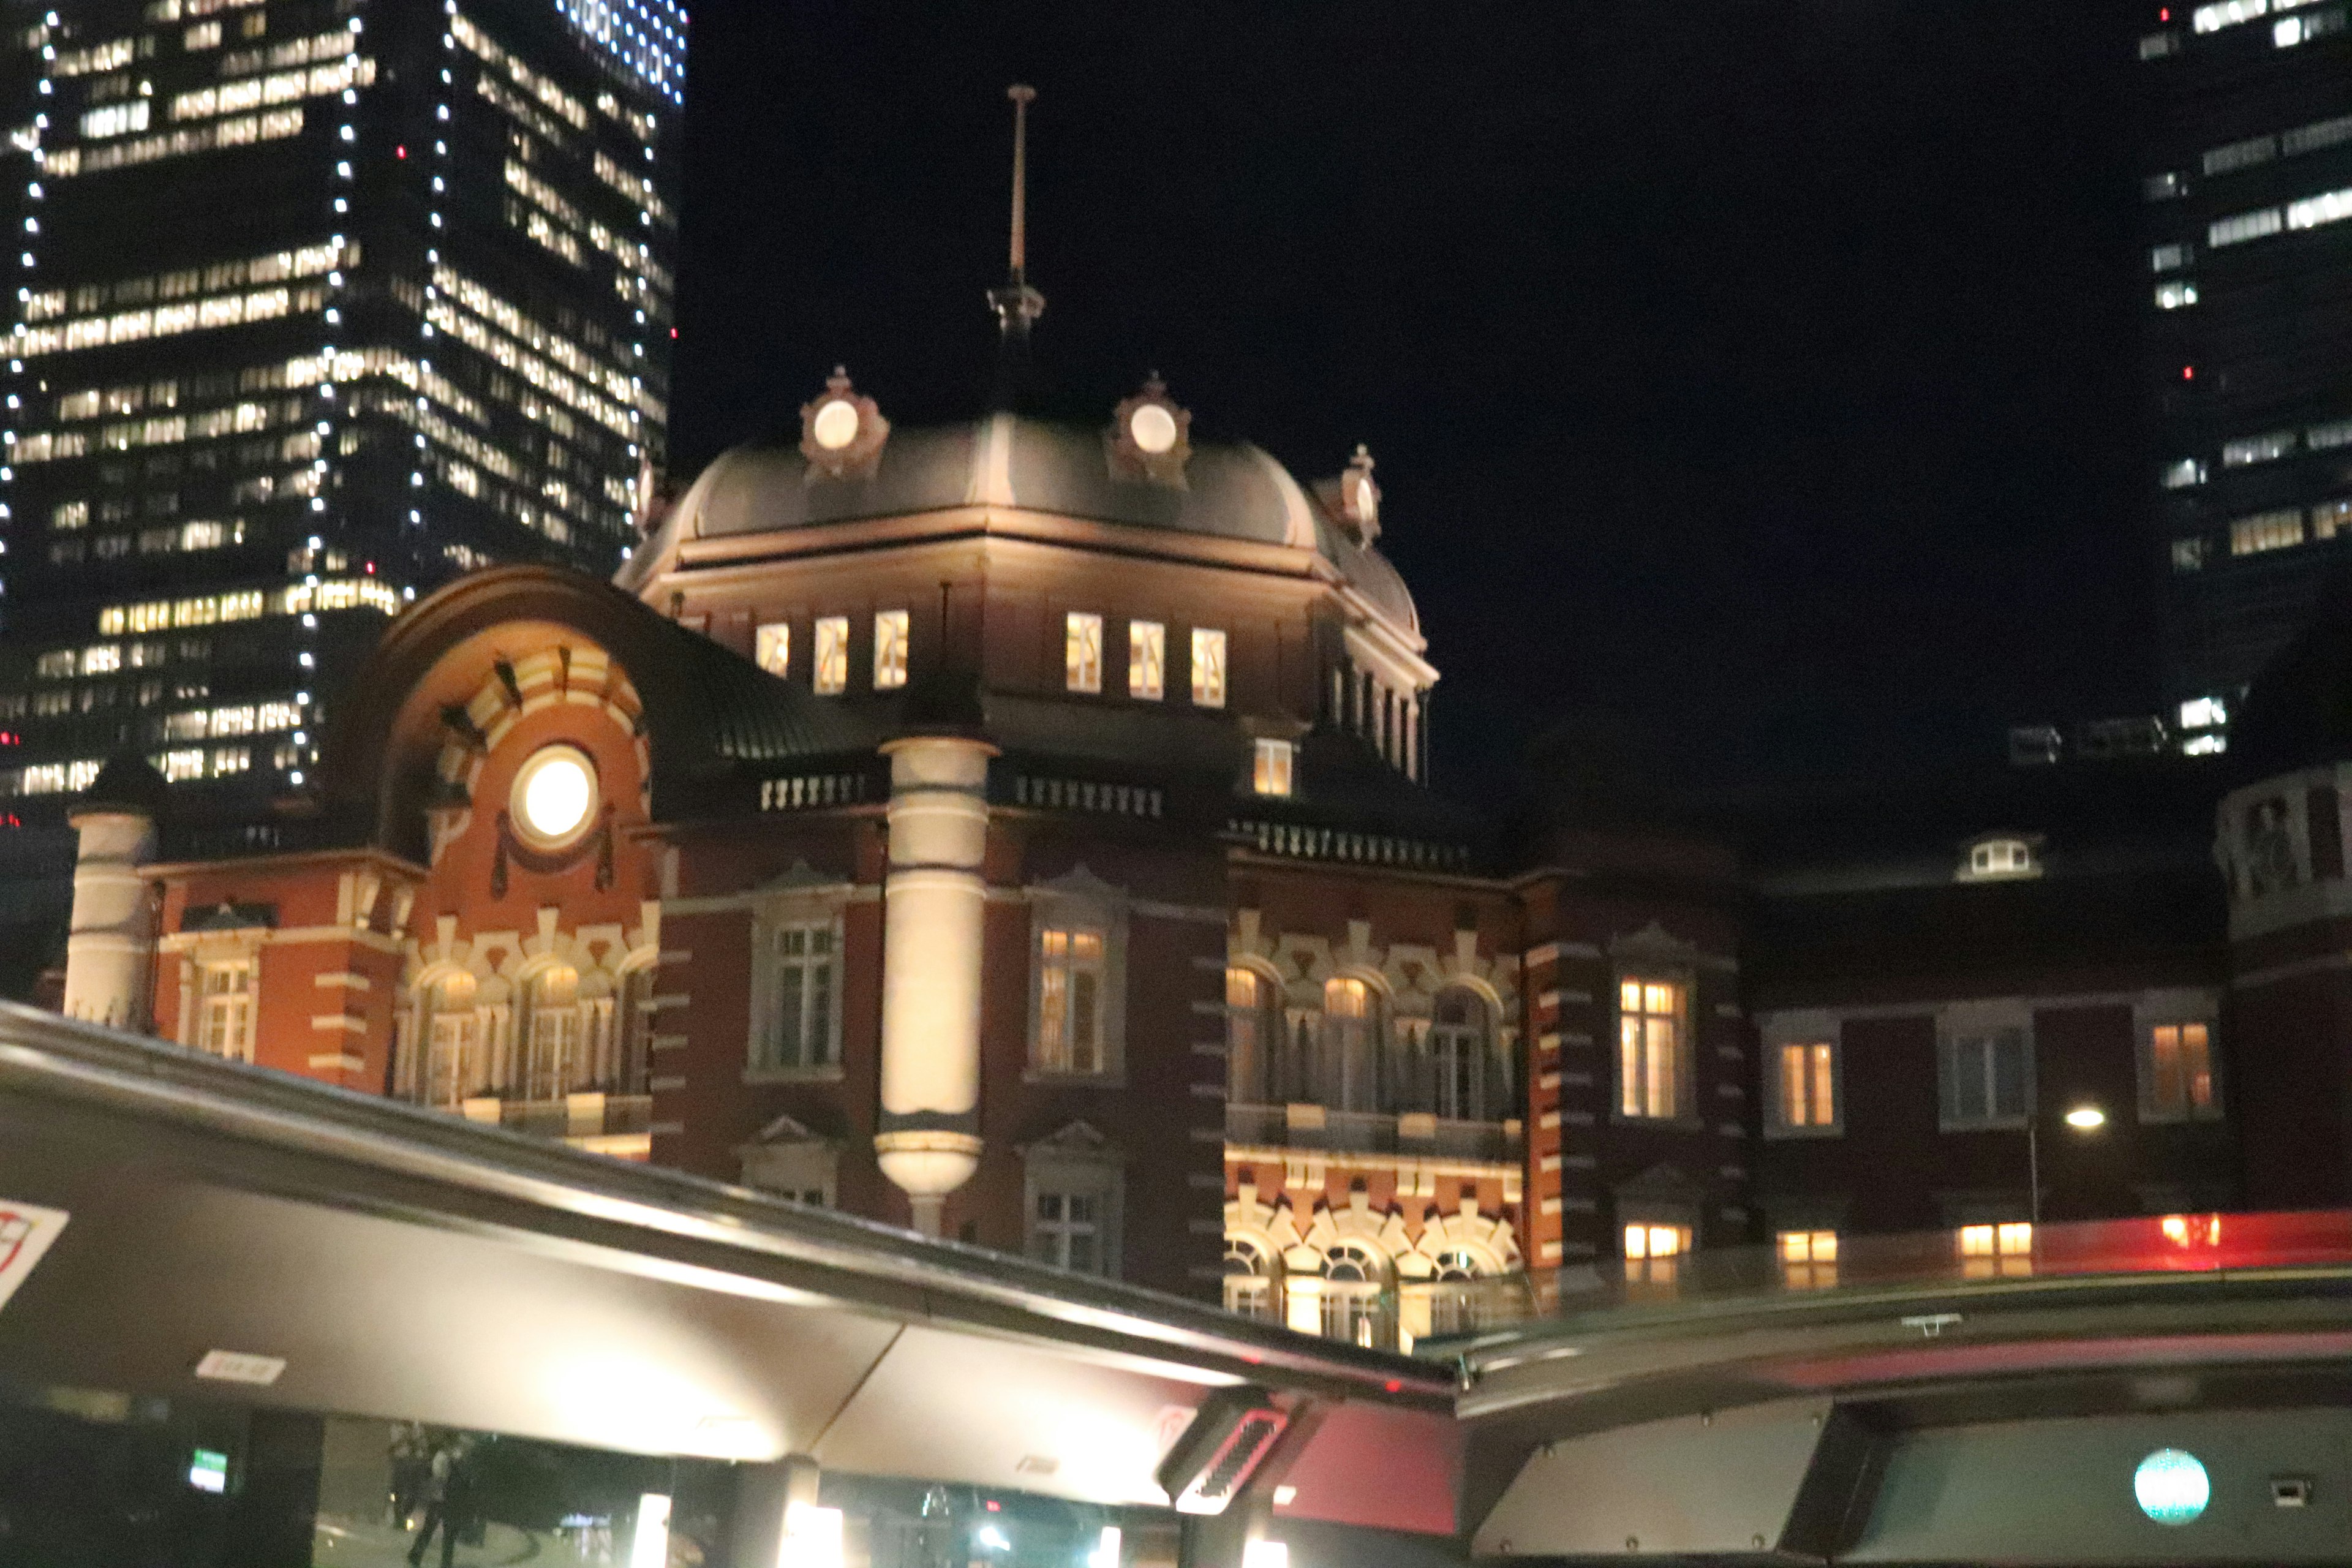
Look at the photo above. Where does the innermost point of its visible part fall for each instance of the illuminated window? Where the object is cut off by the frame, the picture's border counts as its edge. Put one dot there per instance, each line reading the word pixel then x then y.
pixel 890 649
pixel 2268 447
pixel 1253 1031
pixel 1988 1250
pixel 2177 1077
pixel 555 1064
pixel 55 665
pixel 2277 529
pixel 1271 774
pixel 1147 656
pixel 800 1028
pixel 2243 227
pixel 831 670
pixel 456 1069
pixel 1807 1085
pixel 1348 1077
pixel 2331 518
pixel 1808 1257
pixel 1069 1033
pixel 102 658
pixel 1650 1055
pixel 2176 294
pixel 1353 1277
pixel 1249 1279
pixel 1986 1077
pixel 1653 1252
pixel 225 1009
pixel 1208 668
pixel 772 647
pixel 1999 859
pixel 1470 1081
pixel 1082 652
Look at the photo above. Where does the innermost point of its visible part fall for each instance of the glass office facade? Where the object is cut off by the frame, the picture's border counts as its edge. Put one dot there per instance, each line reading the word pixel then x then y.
pixel 318 303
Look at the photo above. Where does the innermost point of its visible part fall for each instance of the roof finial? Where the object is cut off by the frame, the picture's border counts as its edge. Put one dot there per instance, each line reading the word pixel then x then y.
pixel 1022 96
pixel 1016 303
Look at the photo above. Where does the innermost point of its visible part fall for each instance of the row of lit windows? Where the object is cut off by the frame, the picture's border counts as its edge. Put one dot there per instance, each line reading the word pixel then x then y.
pixel 2254 150
pixel 638 188
pixel 2221 14
pixel 2280 529
pixel 163 431
pixel 1147 657
pixel 177 539
pixel 444 315
pixel 283 87
pixel 572 111
pixel 516 107
pixel 111 55
pixel 277 267
pixel 251 603
pixel 2309 212
pixel 239 132
pixel 527 331
pixel 304 51
pixel 237 719
pixel 1984 1077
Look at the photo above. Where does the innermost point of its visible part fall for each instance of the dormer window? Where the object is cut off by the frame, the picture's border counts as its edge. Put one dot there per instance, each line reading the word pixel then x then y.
pixel 2000 857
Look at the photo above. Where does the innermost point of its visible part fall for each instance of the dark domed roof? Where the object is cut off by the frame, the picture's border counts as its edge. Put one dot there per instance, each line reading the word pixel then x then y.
pixel 127 782
pixel 1231 491
pixel 2298 711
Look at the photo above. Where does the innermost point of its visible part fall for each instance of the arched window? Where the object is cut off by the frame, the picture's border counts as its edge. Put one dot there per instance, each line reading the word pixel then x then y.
pixel 553 1067
pixel 456 1067
pixel 1353 1279
pixel 1252 1038
pixel 1350 1072
pixel 1461 1050
pixel 1249 1278
pixel 1453 1299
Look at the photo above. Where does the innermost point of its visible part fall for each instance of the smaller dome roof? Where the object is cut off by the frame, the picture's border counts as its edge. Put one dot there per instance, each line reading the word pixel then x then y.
pixel 1230 491
pixel 127 782
pixel 2297 713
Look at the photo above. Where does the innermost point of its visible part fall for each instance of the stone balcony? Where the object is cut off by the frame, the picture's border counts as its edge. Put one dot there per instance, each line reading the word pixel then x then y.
pixel 618 1124
pixel 1412 1133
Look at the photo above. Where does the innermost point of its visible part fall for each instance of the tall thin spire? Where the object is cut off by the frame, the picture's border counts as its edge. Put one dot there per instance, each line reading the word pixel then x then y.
pixel 1016 304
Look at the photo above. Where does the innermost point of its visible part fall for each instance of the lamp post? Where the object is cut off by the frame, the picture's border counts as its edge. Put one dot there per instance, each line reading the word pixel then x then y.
pixel 2084 1118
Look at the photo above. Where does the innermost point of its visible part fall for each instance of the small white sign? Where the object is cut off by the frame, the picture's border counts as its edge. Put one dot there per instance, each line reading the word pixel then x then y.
pixel 26 1233
pixel 241 1367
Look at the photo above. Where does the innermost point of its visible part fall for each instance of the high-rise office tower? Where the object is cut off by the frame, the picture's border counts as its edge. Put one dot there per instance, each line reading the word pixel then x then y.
pixel 318 302
pixel 2249 192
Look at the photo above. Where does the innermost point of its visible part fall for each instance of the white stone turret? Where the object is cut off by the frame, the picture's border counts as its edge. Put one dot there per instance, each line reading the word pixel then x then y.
pixel 934 905
pixel 110 947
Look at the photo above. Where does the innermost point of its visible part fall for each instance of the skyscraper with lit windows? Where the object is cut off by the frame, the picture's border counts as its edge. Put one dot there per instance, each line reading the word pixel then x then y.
pixel 2249 189
pixel 318 302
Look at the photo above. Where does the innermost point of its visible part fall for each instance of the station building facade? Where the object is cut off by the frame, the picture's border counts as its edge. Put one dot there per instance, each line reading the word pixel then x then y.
pixel 1018 830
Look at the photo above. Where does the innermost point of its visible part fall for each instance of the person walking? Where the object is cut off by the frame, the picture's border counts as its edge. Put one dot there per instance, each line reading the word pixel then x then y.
pixel 449 1496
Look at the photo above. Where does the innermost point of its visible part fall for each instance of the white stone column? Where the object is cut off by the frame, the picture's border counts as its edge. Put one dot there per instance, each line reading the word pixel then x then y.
pixel 934 903
pixel 112 941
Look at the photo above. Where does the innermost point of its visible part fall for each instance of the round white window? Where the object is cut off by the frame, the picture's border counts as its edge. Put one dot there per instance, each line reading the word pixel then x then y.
pixel 554 797
pixel 836 424
pixel 1153 428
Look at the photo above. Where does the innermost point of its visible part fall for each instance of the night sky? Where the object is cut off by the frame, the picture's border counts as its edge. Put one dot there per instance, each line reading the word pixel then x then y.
pixel 1755 381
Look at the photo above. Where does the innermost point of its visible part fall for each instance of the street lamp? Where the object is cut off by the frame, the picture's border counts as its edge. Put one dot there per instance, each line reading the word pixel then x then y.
pixel 2082 1118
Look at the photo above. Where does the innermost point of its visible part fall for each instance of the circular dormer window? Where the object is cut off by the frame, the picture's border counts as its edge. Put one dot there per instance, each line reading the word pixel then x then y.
pixel 1153 429
pixel 554 797
pixel 834 426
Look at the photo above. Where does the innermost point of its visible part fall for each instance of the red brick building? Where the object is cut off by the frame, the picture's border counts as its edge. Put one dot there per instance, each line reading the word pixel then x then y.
pixel 1017 830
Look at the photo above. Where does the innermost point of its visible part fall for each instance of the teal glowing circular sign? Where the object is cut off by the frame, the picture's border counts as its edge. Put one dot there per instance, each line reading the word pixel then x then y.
pixel 2172 1487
